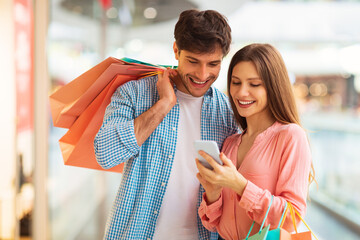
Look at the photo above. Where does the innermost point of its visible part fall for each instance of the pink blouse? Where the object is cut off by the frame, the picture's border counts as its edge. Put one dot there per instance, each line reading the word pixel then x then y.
pixel 277 164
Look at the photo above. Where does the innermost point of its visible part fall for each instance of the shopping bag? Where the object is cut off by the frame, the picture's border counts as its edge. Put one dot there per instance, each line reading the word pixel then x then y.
pixel 83 113
pixel 68 102
pixel 279 233
pixel 263 232
pixel 299 236
pixel 77 145
pixel 63 98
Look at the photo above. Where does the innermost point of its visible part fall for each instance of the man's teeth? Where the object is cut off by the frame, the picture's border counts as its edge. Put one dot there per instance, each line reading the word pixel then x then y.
pixel 245 102
pixel 197 81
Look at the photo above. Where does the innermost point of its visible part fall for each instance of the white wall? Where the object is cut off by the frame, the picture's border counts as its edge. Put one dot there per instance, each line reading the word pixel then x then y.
pixel 7 122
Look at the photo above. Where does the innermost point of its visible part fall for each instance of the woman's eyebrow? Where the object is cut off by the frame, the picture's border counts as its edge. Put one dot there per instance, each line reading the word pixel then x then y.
pixel 248 79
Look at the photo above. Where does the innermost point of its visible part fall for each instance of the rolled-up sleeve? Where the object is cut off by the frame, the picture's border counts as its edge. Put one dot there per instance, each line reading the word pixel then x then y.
pixel 115 142
pixel 210 214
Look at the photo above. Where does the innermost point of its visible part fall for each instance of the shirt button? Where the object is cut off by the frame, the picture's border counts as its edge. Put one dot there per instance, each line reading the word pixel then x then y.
pixel 163 184
pixel 170 156
pixel 155 212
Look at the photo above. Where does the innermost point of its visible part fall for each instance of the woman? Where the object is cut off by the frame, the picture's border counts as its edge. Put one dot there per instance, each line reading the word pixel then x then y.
pixel 270 157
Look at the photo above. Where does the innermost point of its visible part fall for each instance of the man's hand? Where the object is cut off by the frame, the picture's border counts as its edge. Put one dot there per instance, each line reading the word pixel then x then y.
pixel 148 121
pixel 166 89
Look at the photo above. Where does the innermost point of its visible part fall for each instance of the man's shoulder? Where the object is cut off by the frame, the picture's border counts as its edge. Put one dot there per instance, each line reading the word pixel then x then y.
pixel 147 81
pixel 217 93
pixel 140 85
pixel 219 97
pixel 221 111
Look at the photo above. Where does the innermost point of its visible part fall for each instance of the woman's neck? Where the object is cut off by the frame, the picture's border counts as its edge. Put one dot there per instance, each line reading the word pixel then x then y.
pixel 259 123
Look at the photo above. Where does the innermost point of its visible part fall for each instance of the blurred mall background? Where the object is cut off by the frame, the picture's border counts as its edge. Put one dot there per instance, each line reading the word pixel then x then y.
pixel 45 44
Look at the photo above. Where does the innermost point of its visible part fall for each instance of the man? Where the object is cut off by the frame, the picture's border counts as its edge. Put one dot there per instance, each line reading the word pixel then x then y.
pixel 151 125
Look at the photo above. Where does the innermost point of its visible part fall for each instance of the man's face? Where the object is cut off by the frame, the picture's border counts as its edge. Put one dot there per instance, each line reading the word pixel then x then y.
pixel 197 71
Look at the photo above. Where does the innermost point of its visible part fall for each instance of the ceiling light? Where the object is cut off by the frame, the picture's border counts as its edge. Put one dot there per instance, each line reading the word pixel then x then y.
pixel 150 13
pixel 112 12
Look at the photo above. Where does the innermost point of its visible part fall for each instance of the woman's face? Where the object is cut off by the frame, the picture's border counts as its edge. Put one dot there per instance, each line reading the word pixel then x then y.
pixel 247 90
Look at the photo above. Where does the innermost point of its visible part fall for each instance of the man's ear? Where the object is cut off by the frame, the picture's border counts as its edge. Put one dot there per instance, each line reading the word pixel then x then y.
pixel 176 51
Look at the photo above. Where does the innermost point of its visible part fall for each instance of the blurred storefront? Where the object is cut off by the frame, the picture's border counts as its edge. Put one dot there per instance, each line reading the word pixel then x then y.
pixel 46 44
pixel 7 123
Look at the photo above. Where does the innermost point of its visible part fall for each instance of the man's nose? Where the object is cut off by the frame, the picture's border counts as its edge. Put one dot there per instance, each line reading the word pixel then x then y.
pixel 203 72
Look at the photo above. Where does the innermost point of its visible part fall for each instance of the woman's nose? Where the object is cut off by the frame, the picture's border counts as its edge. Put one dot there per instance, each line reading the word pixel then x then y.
pixel 242 91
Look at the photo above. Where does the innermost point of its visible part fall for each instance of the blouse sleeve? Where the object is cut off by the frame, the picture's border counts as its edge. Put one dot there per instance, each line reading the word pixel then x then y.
pixel 210 214
pixel 292 184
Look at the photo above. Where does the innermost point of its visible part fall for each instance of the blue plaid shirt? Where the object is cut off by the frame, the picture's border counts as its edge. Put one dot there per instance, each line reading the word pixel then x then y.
pixel 147 168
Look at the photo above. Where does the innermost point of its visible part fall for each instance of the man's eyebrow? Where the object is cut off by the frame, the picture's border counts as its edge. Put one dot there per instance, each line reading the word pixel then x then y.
pixel 192 58
pixel 195 59
pixel 216 61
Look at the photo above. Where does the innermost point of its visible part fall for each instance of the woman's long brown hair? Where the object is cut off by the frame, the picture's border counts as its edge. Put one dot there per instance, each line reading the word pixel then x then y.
pixel 272 70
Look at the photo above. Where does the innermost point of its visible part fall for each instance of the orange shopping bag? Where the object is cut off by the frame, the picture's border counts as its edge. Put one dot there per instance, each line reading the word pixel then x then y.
pixel 68 102
pixel 65 97
pixel 80 107
pixel 77 145
pixel 299 236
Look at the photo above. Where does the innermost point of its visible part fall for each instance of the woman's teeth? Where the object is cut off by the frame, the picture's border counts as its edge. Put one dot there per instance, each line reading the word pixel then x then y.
pixel 246 102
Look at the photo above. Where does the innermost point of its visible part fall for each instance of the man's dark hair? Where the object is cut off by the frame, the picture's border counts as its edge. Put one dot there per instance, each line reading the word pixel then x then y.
pixel 201 31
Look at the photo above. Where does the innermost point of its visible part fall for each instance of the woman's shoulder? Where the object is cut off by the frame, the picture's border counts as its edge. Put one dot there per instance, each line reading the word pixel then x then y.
pixel 289 127
pixel 233 138
pixel 230 141
pixel 289 131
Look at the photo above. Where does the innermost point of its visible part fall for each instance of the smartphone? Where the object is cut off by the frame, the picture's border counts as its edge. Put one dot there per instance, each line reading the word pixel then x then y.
pixel 211 148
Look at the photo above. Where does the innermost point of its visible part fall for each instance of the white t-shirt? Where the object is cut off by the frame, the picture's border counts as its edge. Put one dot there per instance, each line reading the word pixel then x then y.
pixel 178 213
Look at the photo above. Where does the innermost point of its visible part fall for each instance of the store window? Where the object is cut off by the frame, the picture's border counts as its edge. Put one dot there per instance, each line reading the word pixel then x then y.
pixel 77 197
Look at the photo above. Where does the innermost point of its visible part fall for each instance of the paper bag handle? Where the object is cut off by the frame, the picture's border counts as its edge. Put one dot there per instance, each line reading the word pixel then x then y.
pixel 282 219
pixel 263 222
pixel 293 211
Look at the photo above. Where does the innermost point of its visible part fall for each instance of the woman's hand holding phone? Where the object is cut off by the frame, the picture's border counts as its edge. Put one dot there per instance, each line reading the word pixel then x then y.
pixel 220 176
